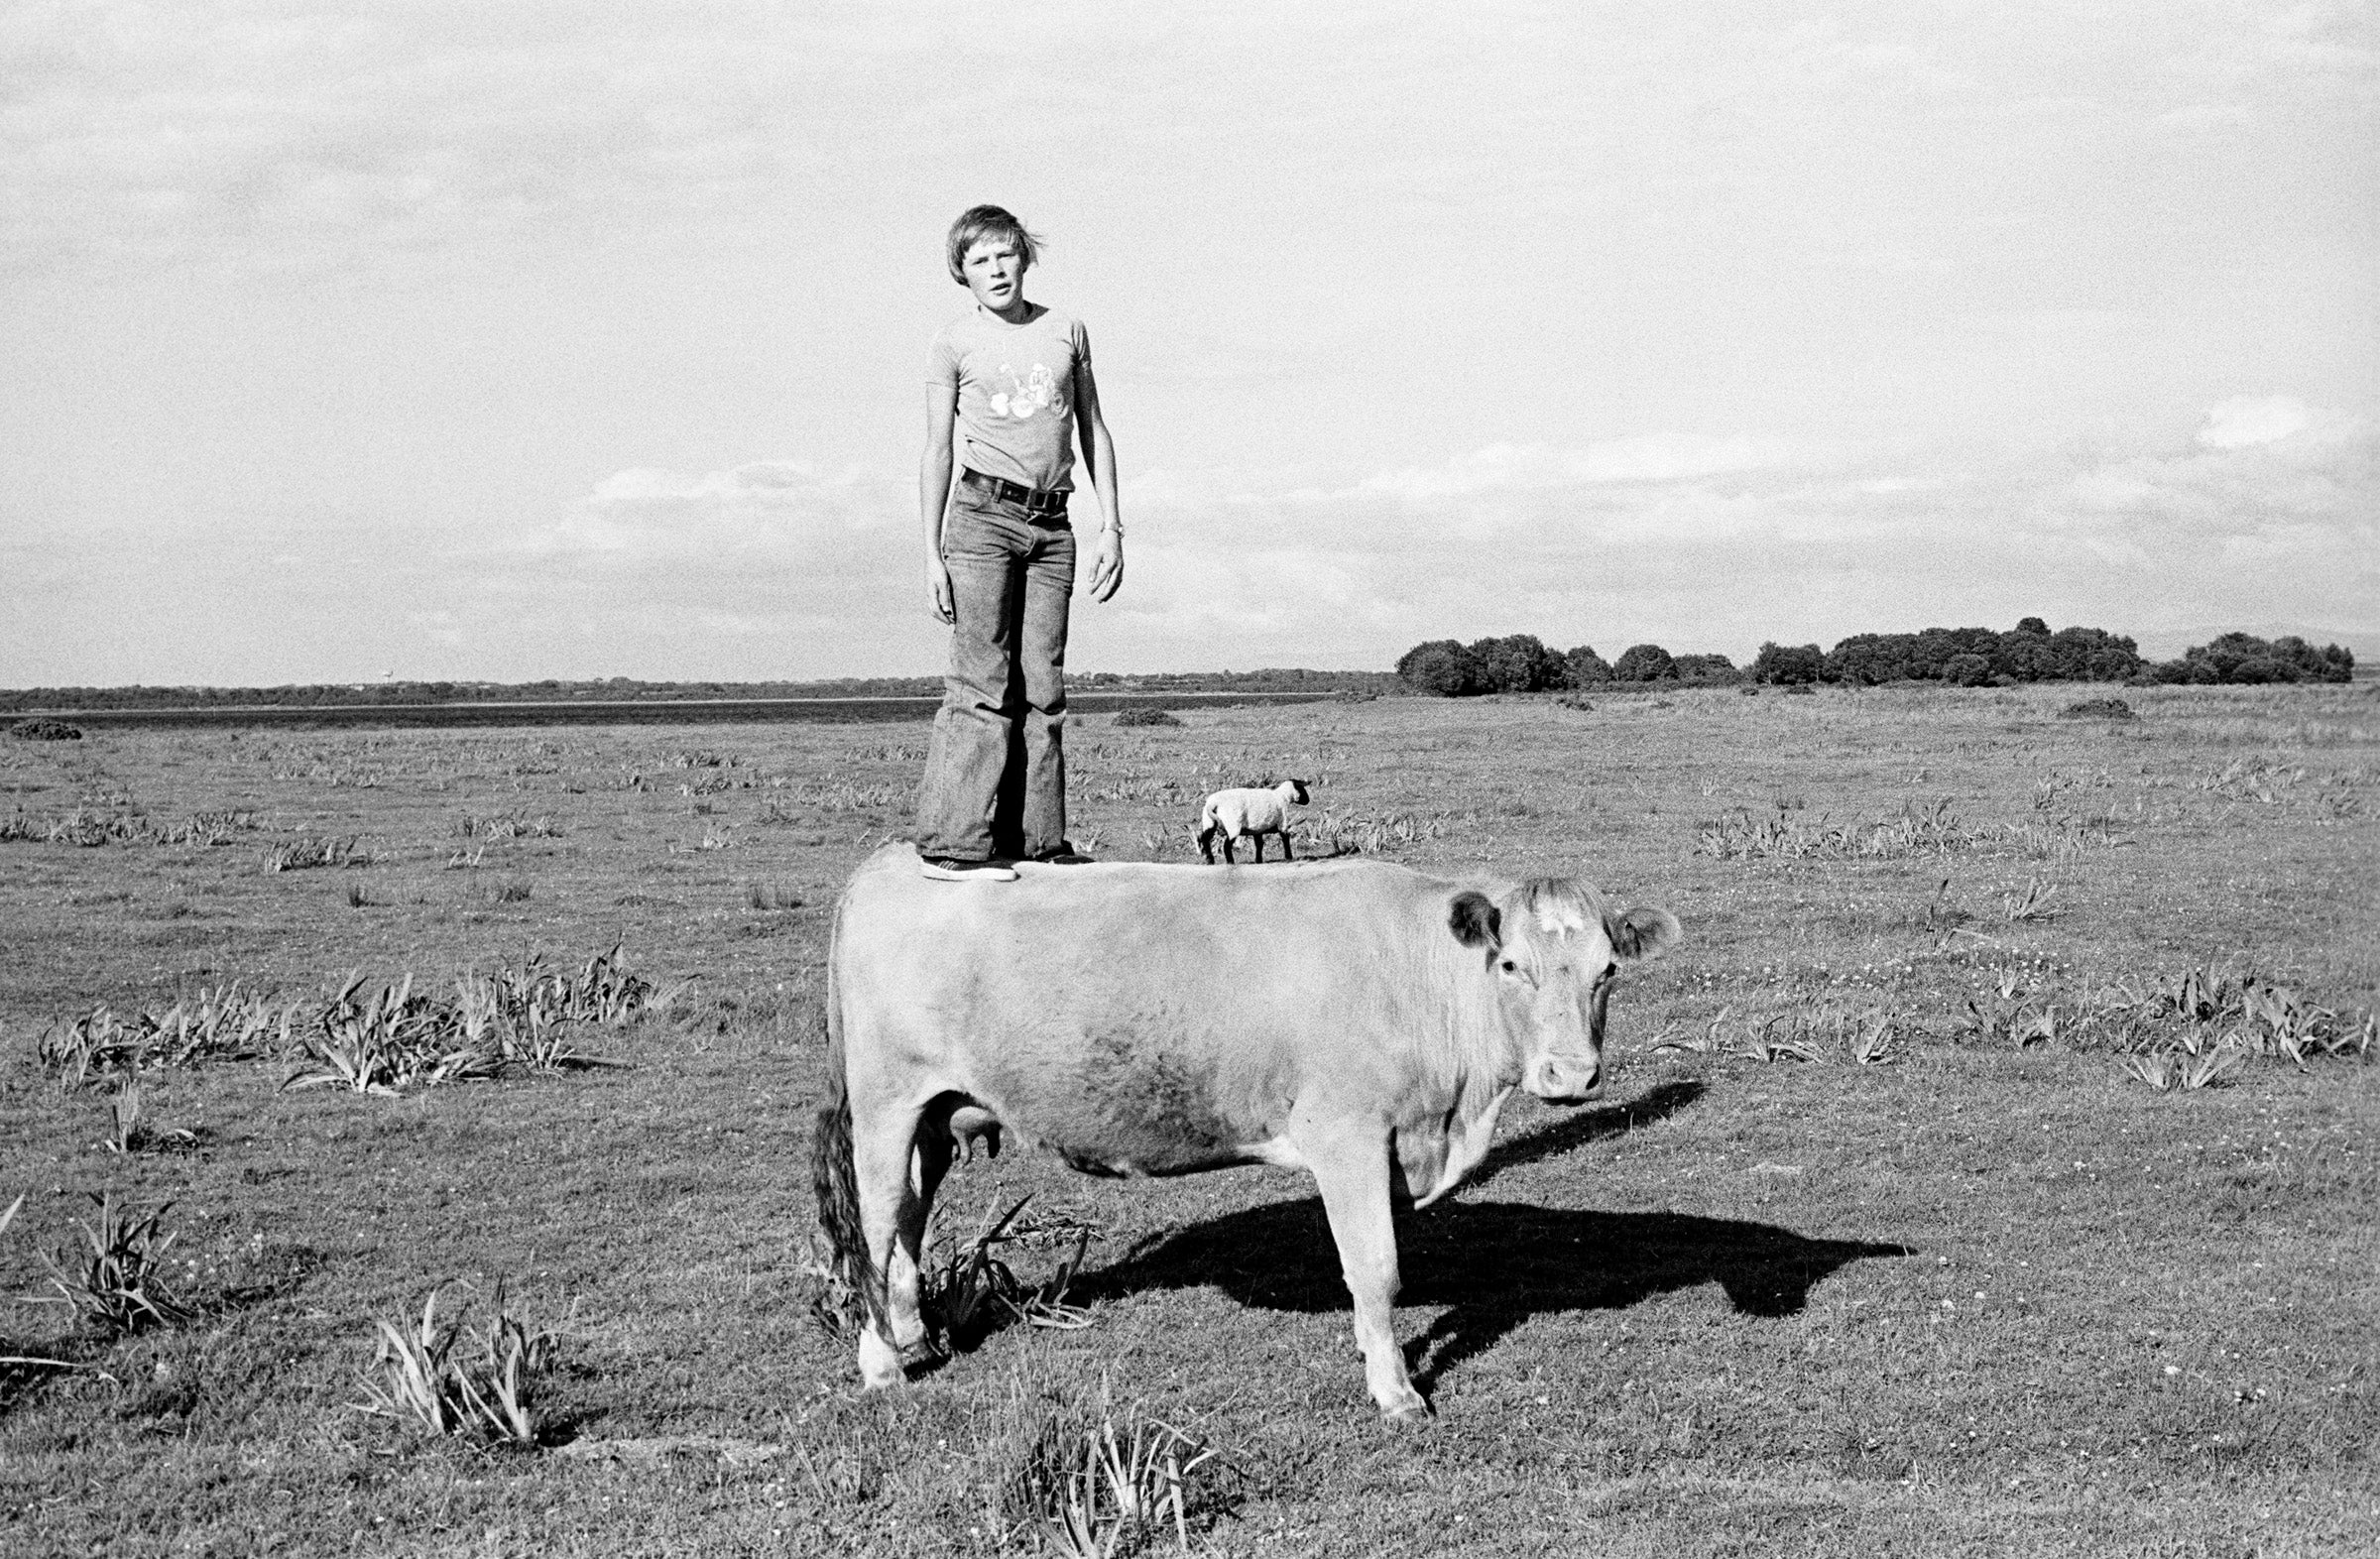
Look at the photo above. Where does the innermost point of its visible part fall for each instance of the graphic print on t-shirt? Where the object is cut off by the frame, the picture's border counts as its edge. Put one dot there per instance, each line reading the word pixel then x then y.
pixel 1030 394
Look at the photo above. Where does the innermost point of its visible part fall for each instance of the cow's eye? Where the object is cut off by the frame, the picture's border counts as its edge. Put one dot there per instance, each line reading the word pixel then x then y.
pixel 1509 966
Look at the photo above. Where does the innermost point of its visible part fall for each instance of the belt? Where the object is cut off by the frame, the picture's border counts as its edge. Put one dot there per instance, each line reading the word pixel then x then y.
pixel 1051 501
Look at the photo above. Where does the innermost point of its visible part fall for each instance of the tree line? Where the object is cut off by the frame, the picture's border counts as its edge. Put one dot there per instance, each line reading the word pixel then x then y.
pixel 1959 656
pixel 623 689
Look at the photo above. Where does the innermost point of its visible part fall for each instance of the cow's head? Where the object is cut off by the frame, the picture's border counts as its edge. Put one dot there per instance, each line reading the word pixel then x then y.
pixel 1552 948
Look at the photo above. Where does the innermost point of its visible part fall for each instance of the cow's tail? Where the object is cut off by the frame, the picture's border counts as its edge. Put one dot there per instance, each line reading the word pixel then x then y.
pixel 854 1278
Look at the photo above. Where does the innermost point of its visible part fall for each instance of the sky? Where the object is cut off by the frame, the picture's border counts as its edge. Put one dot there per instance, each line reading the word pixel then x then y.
pixel 448 341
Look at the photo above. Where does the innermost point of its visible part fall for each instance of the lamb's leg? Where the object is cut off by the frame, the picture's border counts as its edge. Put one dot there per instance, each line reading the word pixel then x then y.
pixel 1206 842
pixel 1352 1169
pixel 1286 853
pixel 1259 841
pixel 1228 859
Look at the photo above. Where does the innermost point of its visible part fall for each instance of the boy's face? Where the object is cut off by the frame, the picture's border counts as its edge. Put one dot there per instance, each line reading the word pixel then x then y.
pixel 995 272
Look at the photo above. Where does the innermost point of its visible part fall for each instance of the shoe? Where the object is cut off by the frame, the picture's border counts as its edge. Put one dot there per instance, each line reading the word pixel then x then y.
pixel 942 869
pixel 1065 854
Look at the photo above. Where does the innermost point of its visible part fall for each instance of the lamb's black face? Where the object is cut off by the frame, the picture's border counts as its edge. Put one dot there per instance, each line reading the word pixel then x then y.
pixel 1297 792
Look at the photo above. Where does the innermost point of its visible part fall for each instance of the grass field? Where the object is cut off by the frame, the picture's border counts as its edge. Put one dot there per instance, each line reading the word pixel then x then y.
pixel 1987 1291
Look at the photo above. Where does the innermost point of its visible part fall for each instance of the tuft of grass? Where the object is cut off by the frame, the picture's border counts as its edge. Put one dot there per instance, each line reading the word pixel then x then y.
pixel 510 890
pixel 299 855
pixel 519 825
pixel 1795 1033
pixel 388 1041
pixel 114 1282
pixel 771 897
pixel 394 1040
pixel 1359 833
pixel 1917 830
pixel 1092 1487
pixel 971 1292
pixel 222 1023
pixel 441 1378
pixel 2034 904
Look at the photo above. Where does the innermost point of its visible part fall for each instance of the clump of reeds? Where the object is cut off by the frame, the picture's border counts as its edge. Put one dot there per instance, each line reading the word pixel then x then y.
pixel 115 1279
pixel 1095 1484
pixel 1866 1036
pixel 444 1379
pixel 299 855
pixel 218 1022
pixel 528 1016
pixel 519 825
pixel 1361 833
pixel 972 1290
pixel 385 1041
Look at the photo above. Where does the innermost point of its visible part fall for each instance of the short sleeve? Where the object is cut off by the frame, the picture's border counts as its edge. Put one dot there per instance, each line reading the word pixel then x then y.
pixel 1082 345
pixel 942 362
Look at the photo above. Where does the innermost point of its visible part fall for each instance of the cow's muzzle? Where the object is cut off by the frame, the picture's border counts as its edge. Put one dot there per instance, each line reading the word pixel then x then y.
pixel 1563 1079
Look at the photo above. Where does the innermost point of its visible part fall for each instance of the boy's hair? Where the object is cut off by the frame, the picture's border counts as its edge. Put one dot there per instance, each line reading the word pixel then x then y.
pixel 988 221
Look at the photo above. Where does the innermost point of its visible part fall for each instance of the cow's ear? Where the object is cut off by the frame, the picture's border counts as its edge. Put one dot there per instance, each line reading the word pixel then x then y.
pixel 1477 921
pixel 1641 932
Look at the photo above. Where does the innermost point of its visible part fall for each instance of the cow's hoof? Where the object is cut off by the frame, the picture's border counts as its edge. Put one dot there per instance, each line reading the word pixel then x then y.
pixel 920 1356
pixel 880 1364
pixel 1413 1414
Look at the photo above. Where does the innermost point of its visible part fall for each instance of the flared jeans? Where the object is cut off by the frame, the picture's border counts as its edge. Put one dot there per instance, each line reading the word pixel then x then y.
pixel 996 776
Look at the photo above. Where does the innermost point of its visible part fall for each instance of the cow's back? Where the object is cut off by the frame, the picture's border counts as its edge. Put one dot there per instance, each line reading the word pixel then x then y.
pixel 1145 1015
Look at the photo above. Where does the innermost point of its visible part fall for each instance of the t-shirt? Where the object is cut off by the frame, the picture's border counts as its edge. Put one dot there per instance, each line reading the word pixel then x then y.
pixel 1015 386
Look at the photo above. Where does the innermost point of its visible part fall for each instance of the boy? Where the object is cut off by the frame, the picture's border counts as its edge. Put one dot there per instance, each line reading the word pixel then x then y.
pixel 1014 378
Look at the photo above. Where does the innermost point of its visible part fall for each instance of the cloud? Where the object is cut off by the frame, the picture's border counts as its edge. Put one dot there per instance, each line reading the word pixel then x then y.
pixel 2245 420
pixel 796 567
pixel 1516 467
pixel 277 135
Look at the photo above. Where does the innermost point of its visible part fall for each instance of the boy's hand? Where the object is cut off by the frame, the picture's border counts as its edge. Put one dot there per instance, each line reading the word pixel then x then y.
pixel 1107 565
pixel 937 590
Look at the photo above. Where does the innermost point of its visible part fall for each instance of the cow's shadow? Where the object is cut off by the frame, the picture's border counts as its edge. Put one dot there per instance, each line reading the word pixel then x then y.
pixel 1493 1264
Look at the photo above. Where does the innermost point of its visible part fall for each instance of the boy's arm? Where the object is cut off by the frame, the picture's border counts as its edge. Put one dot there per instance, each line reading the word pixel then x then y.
pixel 933 493
pixel 1099 453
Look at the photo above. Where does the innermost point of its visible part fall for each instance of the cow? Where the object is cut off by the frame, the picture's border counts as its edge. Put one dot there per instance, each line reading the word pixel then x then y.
pixel 1356 1018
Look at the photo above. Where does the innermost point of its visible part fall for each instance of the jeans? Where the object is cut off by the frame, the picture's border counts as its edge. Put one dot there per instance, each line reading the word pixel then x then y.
pixel 996 774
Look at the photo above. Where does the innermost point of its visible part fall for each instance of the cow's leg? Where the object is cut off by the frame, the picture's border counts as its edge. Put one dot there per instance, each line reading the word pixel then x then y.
pixel 928 1163
pixel 881 1146
pixel 1354 1176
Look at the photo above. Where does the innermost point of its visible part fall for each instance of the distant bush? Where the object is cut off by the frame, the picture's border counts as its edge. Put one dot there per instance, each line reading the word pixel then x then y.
pixel 1517 663
pixel 1147 717
pixel 1522 663
pixel 1441 667
pixel 1583 667
pixel 1707 669
pixel 1786 665
pixel 1644 663
pixel 44 729
pixel 2100 709
pixel 2246 658
pixel 2028 653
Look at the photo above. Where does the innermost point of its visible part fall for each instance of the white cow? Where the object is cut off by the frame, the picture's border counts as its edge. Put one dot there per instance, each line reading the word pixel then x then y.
pixel 1107 1012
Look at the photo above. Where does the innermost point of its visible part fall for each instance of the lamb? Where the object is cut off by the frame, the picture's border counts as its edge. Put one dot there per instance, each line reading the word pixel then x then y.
pixel 1248 814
